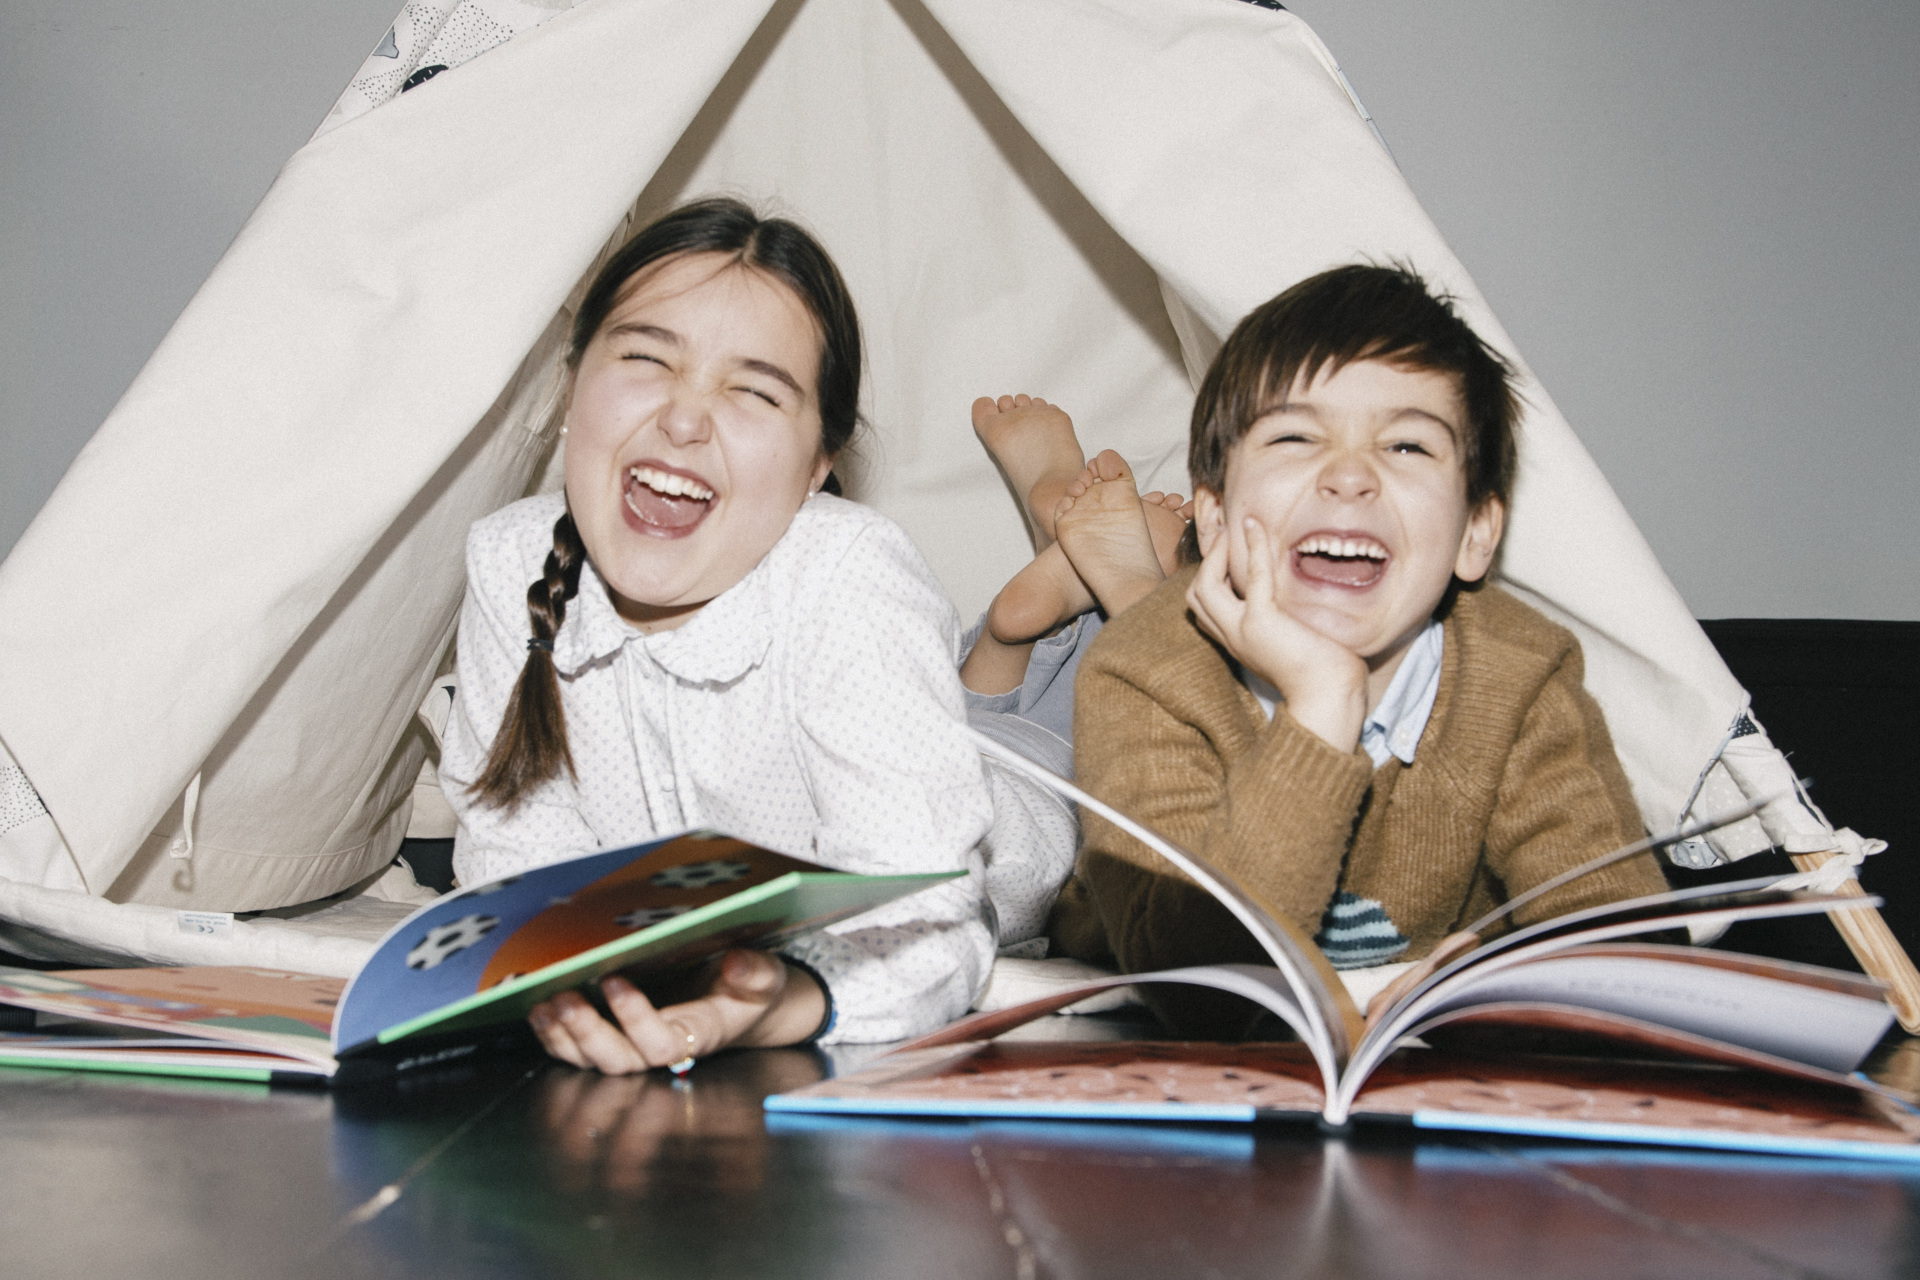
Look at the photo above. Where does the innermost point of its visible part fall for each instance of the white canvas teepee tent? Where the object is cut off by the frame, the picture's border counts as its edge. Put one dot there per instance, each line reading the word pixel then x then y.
pixel 257 560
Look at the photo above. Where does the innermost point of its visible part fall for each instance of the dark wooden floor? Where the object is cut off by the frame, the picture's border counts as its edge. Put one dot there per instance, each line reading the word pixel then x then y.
pixel 531 1169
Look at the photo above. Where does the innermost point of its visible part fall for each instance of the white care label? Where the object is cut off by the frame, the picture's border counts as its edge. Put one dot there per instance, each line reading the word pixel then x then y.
pixel 205 924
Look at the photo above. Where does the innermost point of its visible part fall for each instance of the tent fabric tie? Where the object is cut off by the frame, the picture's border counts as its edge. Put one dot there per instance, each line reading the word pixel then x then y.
pixel 1850 850
pixel 182 846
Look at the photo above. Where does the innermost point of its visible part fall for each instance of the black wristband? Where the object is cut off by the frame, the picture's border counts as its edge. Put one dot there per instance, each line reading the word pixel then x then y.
pixel 831 1015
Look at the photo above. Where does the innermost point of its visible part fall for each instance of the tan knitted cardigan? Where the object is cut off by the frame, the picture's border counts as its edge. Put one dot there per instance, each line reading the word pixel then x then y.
pixel 1514 781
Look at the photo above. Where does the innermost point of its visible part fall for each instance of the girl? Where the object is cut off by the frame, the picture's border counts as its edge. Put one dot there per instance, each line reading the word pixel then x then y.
pixel 711 639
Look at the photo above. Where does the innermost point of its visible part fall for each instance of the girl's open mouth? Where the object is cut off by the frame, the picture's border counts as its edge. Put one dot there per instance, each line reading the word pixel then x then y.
pixel 1341 560
pixel 666 502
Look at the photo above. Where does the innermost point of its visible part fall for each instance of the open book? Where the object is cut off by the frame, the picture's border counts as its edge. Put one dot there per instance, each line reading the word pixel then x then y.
pixel 454 976
pixel 1722 1049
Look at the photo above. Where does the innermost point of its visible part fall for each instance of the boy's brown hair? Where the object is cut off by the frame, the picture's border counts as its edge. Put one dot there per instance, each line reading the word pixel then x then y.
pixel 1338 317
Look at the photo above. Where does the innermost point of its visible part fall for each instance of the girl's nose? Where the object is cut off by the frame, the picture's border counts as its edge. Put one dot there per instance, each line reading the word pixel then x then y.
pixel 1349 474
pixel 684 418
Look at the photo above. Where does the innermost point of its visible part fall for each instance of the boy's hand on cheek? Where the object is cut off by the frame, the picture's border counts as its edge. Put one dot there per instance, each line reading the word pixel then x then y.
pixel 1323 682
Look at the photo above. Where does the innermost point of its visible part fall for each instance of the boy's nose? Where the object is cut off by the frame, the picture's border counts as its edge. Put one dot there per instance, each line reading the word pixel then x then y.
pixel 1349 474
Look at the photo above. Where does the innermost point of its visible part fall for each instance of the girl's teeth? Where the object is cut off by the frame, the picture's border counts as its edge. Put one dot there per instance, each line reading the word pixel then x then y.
pixel 672 485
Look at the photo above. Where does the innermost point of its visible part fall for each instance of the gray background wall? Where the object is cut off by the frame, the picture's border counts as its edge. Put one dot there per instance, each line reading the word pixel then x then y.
pixel 1700 222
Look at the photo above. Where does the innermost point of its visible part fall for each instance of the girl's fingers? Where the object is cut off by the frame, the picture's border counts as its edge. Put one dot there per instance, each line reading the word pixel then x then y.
pixel 745 986
pixel 751 976
pixel 553 1036
pixel 594 1042
pixel 656 1037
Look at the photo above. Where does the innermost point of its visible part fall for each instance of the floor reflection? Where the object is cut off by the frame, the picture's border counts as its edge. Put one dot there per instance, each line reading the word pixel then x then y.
pixel 571 1173
pixel 620 1134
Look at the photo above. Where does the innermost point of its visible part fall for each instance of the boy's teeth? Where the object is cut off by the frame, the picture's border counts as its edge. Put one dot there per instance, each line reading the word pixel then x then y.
pixel 672 485
pixel 1324 545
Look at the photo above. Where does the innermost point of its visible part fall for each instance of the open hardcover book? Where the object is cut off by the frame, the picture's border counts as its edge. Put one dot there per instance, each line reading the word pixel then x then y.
pixel 1649 1042
pixel 456 976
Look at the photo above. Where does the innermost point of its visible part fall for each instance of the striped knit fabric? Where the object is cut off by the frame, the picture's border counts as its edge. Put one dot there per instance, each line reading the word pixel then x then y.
pixel 1356 932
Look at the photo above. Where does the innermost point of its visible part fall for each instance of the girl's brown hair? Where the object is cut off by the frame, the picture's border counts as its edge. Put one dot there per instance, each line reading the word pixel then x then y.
pixel 531 747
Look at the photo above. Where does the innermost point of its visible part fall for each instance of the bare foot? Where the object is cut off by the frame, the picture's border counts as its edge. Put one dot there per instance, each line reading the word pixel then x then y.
pixel 1037 599
pixel 1034 444
pixel 1168 515
pixel 1108 535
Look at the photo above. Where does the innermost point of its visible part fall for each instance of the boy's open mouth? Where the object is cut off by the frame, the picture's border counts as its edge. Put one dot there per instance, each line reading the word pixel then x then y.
pixel 1342 560
pixel 666 500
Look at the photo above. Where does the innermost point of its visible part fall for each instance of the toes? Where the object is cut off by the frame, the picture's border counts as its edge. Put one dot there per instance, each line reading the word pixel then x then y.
pixel 1023 400
pixel 984 407
pixel 1108 465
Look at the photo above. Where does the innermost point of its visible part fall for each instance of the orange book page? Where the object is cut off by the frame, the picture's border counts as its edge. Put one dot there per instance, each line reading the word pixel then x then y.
pixel 272 1009
pixel 1649 1094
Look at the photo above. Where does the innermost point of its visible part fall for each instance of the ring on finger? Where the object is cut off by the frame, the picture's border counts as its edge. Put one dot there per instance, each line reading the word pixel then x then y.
pixel 685 1064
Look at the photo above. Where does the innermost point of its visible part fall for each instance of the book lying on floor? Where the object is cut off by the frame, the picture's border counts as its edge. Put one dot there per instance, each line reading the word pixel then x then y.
pixel 1649 1042
pixel 454 976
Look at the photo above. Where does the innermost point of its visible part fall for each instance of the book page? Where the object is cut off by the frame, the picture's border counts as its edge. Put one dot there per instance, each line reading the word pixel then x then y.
pixel 1588 1098
pixel 270 1009
pixel 1083 1079
pixel 1744 1006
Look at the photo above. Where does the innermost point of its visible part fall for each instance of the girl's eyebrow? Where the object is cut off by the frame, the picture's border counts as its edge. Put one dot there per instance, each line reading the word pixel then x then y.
pixel 763 367
pixel 775 372
pixel 645 331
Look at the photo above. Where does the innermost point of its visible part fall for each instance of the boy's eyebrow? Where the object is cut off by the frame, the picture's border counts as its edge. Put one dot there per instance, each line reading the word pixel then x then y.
pixel 1409 411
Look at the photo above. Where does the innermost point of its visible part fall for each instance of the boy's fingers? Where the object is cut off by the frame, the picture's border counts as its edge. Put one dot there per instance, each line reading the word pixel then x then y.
pixel 1209 592
pixel 1259 562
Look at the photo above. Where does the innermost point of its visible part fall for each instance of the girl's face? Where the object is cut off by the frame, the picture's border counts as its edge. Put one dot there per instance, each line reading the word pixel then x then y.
pixel 693 433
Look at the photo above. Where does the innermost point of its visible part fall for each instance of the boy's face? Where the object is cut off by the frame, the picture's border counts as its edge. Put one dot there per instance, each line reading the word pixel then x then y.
pixel 1359 481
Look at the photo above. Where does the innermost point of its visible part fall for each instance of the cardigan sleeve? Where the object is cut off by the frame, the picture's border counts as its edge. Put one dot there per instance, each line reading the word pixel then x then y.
pixel 1563 800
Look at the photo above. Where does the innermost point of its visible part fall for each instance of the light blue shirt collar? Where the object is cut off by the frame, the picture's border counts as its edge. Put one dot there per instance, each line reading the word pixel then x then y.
pixel 1394 728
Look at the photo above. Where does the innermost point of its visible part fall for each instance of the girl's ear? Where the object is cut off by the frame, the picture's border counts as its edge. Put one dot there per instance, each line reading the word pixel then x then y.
pixel 822 468
pixel 1209 518
pixel 1480 541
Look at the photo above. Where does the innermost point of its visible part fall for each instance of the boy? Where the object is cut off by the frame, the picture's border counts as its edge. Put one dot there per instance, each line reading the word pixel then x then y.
pixel 1325 707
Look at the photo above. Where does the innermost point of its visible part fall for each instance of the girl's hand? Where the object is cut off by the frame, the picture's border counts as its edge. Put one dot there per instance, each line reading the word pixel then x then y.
pixel 1323 682
pixel 756 1000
